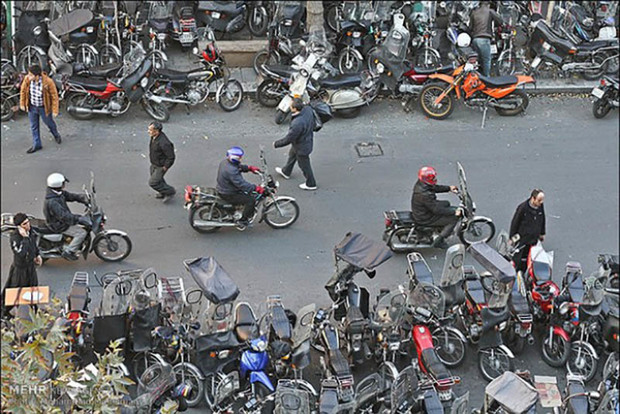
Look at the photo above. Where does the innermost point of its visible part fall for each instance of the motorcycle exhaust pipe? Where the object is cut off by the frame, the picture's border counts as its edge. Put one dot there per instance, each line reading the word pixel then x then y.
pixel 160 99
pixel 207 223
pixel 80 110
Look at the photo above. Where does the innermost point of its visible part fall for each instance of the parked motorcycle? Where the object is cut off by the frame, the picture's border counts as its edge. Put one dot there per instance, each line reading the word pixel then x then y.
pixel 258 17
pixel 401 233
pixel 108 245
pixel 606 96
pixel 156 31
pixel 208 212
pixel 10 85
pixel 275 87
pixel 222 16
pixel 184 29
pixel 509 393
pixel 290 17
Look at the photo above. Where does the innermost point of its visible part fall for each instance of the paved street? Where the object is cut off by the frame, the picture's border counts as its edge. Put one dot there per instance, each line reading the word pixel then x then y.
pixel 557 146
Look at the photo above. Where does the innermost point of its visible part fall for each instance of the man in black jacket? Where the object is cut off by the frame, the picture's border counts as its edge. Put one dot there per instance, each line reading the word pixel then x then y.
pixel 529 223
pixel 426 210
pixel 161 154
pixel 231 185
pixel 480 21
pixel 300 136
pixel 60 219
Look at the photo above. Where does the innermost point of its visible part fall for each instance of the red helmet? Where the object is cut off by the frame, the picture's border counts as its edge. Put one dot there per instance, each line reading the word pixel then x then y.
pixel 210 53
pixel 427 175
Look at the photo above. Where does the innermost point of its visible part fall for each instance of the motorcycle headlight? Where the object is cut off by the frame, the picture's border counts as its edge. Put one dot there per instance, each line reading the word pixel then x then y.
pixel 37 30
pixel 144 82
pixel 380 68
pixel 161 36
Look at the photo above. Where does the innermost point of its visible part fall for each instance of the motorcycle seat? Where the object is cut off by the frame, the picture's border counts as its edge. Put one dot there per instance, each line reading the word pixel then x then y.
pixel 280 323
pixel 596 44
pixel 429 71
pixel 422 272
pixel 433 365
pixel 577 404
pixel 246 327
pixel 103 71
pixel 499 80
pixel 355 320
pixel 404 217
pixel 338 363
pixel 454 294
pixel 174 76
pixel 475 291
pixel 542 271
pixel 159 25
pixel 491 318
pixel 281 70
pixel 95 84
pixel 518 304
pixel 340 81
pixel 230 9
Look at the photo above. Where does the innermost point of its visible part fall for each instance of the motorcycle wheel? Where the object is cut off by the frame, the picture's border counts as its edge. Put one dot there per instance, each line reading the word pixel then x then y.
pixel 350 113
pixel 449 347
pixel 613 65
pixel 595 74
pixel 191 376
pixel 83 100
pixel 521 106
pixel 230 95
pixel 172 92
pixel 108 55
pixel 264 58
pixel 28 57
pixel 202 213
pixel 281 214
pixel 212 381
pixel 388 373
pixel 427 101
pixel 600 108
pixel 86 56
pixel 582 362
pixel 258 21
pixel 280 116
pixel 270 93
pixel 610 366
pixel 331 18
pixel 349 61
pixel 427 58
pixel 555 353
pixel 477 230
pixel 372 55
pixel 493 362
pixel 506 63
pixel 156 110
pixel 7 107
pixel 110 249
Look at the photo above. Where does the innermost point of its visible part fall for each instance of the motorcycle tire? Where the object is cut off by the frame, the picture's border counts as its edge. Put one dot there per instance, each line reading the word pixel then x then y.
pixel 108 55
pixel 349 62
pixel 613 65
pixel 350 113
pixel 105 242
pixel 261 58
pixel 427 97
pixel 427 58
pixel 276 211
pixel 192 378
pixel 474 228
pixel 331 17
pixel 449 347
pixel 258 21
pixel 555 354
pixel 211 383
pixel 595 74
pixel 156 110
pixel 85 56
pixel 28 57
pixel 230 95
pixel 80 100
pixel 525 101
pixel 506 63
pixel 582 362
pixel 198 212
pixel 372 55
pixel 600 108
pixel 270 92
pixel 280 116
pixel 172 92
pixel 7 107
pixel 8 71
pixel 484 363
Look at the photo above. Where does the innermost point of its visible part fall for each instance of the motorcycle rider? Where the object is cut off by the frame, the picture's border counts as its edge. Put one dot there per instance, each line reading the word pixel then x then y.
pixel 232 187
pixel 60 219
pixel 426 210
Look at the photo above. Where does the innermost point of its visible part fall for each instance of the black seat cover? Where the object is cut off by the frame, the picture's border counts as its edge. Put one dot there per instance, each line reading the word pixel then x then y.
pixel 454 294
pixel 518 304
pixel 341 81
pixel 174 76
pixel 433 365
pixel 577 404
pixel 475 291
pixel 429 71
pixel 246 327
pixel 338 363
pixel 422 272
pixel 498 80
pixel 542 271
pixel 491 318
pixel 280 323
pixel 404 216
pixel 282 70
pixel 596 44
pixel 104 71
pixel 229 8
pixel 94 84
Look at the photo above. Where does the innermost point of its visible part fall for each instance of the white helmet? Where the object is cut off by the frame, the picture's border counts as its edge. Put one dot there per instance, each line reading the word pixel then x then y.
pixel 56 180
pixel 463 40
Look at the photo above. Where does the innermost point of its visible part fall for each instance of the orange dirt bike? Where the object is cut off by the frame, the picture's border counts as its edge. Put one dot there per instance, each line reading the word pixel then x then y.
pixel 437 98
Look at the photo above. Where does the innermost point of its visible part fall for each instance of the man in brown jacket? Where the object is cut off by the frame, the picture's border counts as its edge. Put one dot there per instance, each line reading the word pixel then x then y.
pixel 38 96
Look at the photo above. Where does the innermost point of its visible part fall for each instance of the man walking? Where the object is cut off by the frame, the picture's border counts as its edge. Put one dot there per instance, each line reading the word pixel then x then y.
pixel 300 136
pixel 39 96
pixel 529 223
pixel 481 32
pixel 161 153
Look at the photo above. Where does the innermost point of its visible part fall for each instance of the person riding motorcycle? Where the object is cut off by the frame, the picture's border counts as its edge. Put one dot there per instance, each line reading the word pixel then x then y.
pixel 232 187
pixel 427 211
pixel 60 219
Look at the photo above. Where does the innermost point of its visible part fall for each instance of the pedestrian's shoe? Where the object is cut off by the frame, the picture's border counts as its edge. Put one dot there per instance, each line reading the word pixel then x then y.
pixel 440 243
pixel 58 139
pixel 159 195
pixel 303 186
pixel 279 171
pixel 70 256
pixel 243 224
pixel 33 149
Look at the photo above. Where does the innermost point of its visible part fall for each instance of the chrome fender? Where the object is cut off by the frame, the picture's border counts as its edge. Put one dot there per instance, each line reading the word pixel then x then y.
pixel 36 49
pixel 116 50
pixel 458 333
pixel 588 346
pixel 91 48
pixel 104 233
pixel 507 351
pixel 346 99
pixel 189 367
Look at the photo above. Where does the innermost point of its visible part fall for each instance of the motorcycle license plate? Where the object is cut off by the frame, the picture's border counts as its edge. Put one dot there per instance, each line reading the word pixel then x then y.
pixel 215 15
pixel 493 49
pixel 598 92
pixel 186 38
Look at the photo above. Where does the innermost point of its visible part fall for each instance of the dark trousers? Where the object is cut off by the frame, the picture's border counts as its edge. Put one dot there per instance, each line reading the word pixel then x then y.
pixel 34 112
pixel 447 222
pixel 304 164
pixel 520 258
pixel 247 200
pixel 157 181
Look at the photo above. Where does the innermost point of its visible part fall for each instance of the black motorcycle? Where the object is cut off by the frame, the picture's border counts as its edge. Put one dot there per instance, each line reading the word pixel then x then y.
pixel 606 97
pixel 258 17
pixel 222 16
pixel 184 28
pixel 108 245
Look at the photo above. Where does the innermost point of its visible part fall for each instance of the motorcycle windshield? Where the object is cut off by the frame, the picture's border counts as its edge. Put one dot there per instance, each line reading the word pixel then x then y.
pixel 212 279
pixel 463 190
pixel 503 274
pixel 404 388
pixel 593 286
pixel 453 265
pixel 70 22
pixel 390 309
pixel 540 255
pixel 429 297
pixel 361 252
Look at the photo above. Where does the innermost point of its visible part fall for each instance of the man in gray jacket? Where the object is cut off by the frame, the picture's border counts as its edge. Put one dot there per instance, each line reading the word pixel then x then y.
pixel 300 136
pixel 481 32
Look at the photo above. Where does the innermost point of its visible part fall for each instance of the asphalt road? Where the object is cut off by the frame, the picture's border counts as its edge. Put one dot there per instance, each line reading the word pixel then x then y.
pixel 557 146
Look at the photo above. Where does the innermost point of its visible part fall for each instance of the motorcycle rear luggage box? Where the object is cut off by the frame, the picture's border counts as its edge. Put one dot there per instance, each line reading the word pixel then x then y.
pixel 492 261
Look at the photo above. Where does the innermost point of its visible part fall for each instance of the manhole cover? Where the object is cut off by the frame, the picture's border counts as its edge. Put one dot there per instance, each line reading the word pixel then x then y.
pixel 368 149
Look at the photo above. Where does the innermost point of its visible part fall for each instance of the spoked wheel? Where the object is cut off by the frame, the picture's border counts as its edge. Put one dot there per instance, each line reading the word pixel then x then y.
pixel 493 362
pixel 141 362
pixel 206 213
pixel 156 110
pixel 450 347
pixel 28 57
pixel 167 92
pixel 594 74
pixel 477 230
pixel 270 92
pixel 7 107
pixel 258 21
pixel 282 213
pixel 611 366
pixel 230 95
pixel 582 362
pixel 264 58
pixel 81 100
pixel 113 247
pixel 429 95
pixel 600 108
pixel 86 56
pixel 388 373
pixel 427 58
pixel 613 65
pixel 349 61
pixel 211 383
pixel 190 376
pixel 108 55
pixel 519 102
pixel 506 64
pixel 555 350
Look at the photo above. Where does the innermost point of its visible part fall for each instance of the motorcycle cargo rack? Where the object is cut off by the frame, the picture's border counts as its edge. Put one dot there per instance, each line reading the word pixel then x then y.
pixel 418 270
pixel 78 298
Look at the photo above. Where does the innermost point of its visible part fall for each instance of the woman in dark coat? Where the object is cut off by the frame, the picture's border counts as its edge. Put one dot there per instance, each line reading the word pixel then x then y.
pixel 26 256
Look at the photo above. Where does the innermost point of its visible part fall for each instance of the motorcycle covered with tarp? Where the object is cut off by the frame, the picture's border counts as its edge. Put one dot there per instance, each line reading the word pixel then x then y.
pixel 509 393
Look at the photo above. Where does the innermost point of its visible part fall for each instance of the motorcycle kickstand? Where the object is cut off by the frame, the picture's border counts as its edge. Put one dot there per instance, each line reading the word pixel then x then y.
pixel 187 109
pixel 484 116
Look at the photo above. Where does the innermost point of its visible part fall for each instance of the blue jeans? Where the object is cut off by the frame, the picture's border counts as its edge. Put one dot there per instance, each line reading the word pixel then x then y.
pixel 33 115
pixel 483 47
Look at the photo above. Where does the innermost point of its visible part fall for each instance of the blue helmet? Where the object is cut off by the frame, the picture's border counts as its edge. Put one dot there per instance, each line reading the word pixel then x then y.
pixel 234 153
